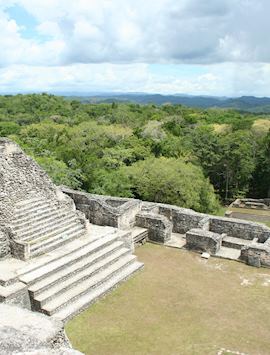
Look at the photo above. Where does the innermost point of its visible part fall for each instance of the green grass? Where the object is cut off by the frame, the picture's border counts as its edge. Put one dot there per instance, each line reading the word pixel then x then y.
pixel 221 211
pixel 179 304
pixel 251 211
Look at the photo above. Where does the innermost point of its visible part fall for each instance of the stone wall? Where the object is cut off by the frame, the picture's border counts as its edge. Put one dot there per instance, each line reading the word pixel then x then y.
pixel 183 219
pixel 256 255
pixel 203 240
pixel 239 228
pixel 159 227
pixel 104 210
pixel 203 232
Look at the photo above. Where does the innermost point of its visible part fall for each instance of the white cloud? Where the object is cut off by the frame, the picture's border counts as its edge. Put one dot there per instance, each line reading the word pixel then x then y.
pixel 117 31
pixel 109 44
pixel 219 79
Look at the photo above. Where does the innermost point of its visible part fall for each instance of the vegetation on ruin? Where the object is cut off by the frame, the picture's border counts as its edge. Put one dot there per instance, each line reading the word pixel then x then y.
pixel 179 304
pixel 170 153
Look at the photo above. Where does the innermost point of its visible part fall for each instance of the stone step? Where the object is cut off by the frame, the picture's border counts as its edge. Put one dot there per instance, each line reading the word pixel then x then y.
pixel 53 266
pixel 79 277
pixel 90 297
pixel 38 219
pixel 29 217
pixel 235 243
pixel 139 234
pixel 53 246
pixel 52 228
pixel 72 294
pixel 32 208
pixel 78 265
pixel 26 202
pixel 56 242
pixel 69 230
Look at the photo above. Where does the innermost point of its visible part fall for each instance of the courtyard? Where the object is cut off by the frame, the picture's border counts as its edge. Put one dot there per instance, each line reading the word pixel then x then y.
pixel 180 304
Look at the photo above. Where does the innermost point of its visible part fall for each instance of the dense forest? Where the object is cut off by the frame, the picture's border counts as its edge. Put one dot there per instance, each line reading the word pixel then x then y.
pixel 195 158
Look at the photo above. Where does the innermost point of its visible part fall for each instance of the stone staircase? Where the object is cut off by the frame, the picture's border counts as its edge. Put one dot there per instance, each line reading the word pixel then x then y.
pixel 44 225
pixel 139 234
pixel 66 285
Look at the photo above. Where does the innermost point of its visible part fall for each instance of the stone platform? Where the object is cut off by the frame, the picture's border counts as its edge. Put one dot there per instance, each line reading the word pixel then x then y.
pixel 62 282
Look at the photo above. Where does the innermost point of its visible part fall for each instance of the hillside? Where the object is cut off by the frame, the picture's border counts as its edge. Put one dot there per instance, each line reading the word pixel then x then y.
pixel 244 103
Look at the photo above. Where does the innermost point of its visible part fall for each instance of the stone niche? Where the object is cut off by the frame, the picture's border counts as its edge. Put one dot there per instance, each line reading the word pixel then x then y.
pixel 239 228
pixel 183 219
pixel 159 227
pixel 202 240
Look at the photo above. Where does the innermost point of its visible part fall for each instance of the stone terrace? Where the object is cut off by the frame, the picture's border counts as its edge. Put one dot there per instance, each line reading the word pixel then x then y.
pixel 51 259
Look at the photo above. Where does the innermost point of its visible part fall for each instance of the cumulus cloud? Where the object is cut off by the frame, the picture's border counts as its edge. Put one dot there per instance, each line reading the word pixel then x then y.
pixel 110 45
pixel 122 31
pixel 217 80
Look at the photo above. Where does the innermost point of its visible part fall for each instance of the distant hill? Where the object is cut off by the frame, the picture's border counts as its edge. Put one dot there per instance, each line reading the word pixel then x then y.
pixel 244 103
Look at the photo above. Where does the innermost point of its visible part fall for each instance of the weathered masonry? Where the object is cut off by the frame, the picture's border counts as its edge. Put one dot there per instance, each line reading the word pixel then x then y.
pixel 223 237
pixel 51 259
pixel 60 249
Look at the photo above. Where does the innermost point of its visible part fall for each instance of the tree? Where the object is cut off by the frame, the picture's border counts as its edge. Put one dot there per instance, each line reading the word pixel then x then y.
pixel 260 186
pixel 171 181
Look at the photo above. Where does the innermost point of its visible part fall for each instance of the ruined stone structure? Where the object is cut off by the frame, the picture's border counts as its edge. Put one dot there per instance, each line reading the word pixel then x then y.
pixel 180 227
pixel 60 249
pixel 51 259
pixel 257 210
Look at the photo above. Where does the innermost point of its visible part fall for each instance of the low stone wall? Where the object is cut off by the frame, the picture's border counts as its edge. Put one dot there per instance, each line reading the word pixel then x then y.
pixel 239 228
pixel 203 232
pixel 150 207
pixel 251 203
pixel 159 227
pixel 104 210
pixel 256 255
pixel 202 240
pixel 183 219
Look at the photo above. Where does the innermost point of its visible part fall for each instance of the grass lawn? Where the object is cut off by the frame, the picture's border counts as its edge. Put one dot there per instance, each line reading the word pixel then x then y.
pixel 180 304
pixel 251 211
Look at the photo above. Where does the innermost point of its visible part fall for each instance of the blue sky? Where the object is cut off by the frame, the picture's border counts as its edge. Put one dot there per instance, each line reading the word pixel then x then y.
pixel 26 22
pixel 198 47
